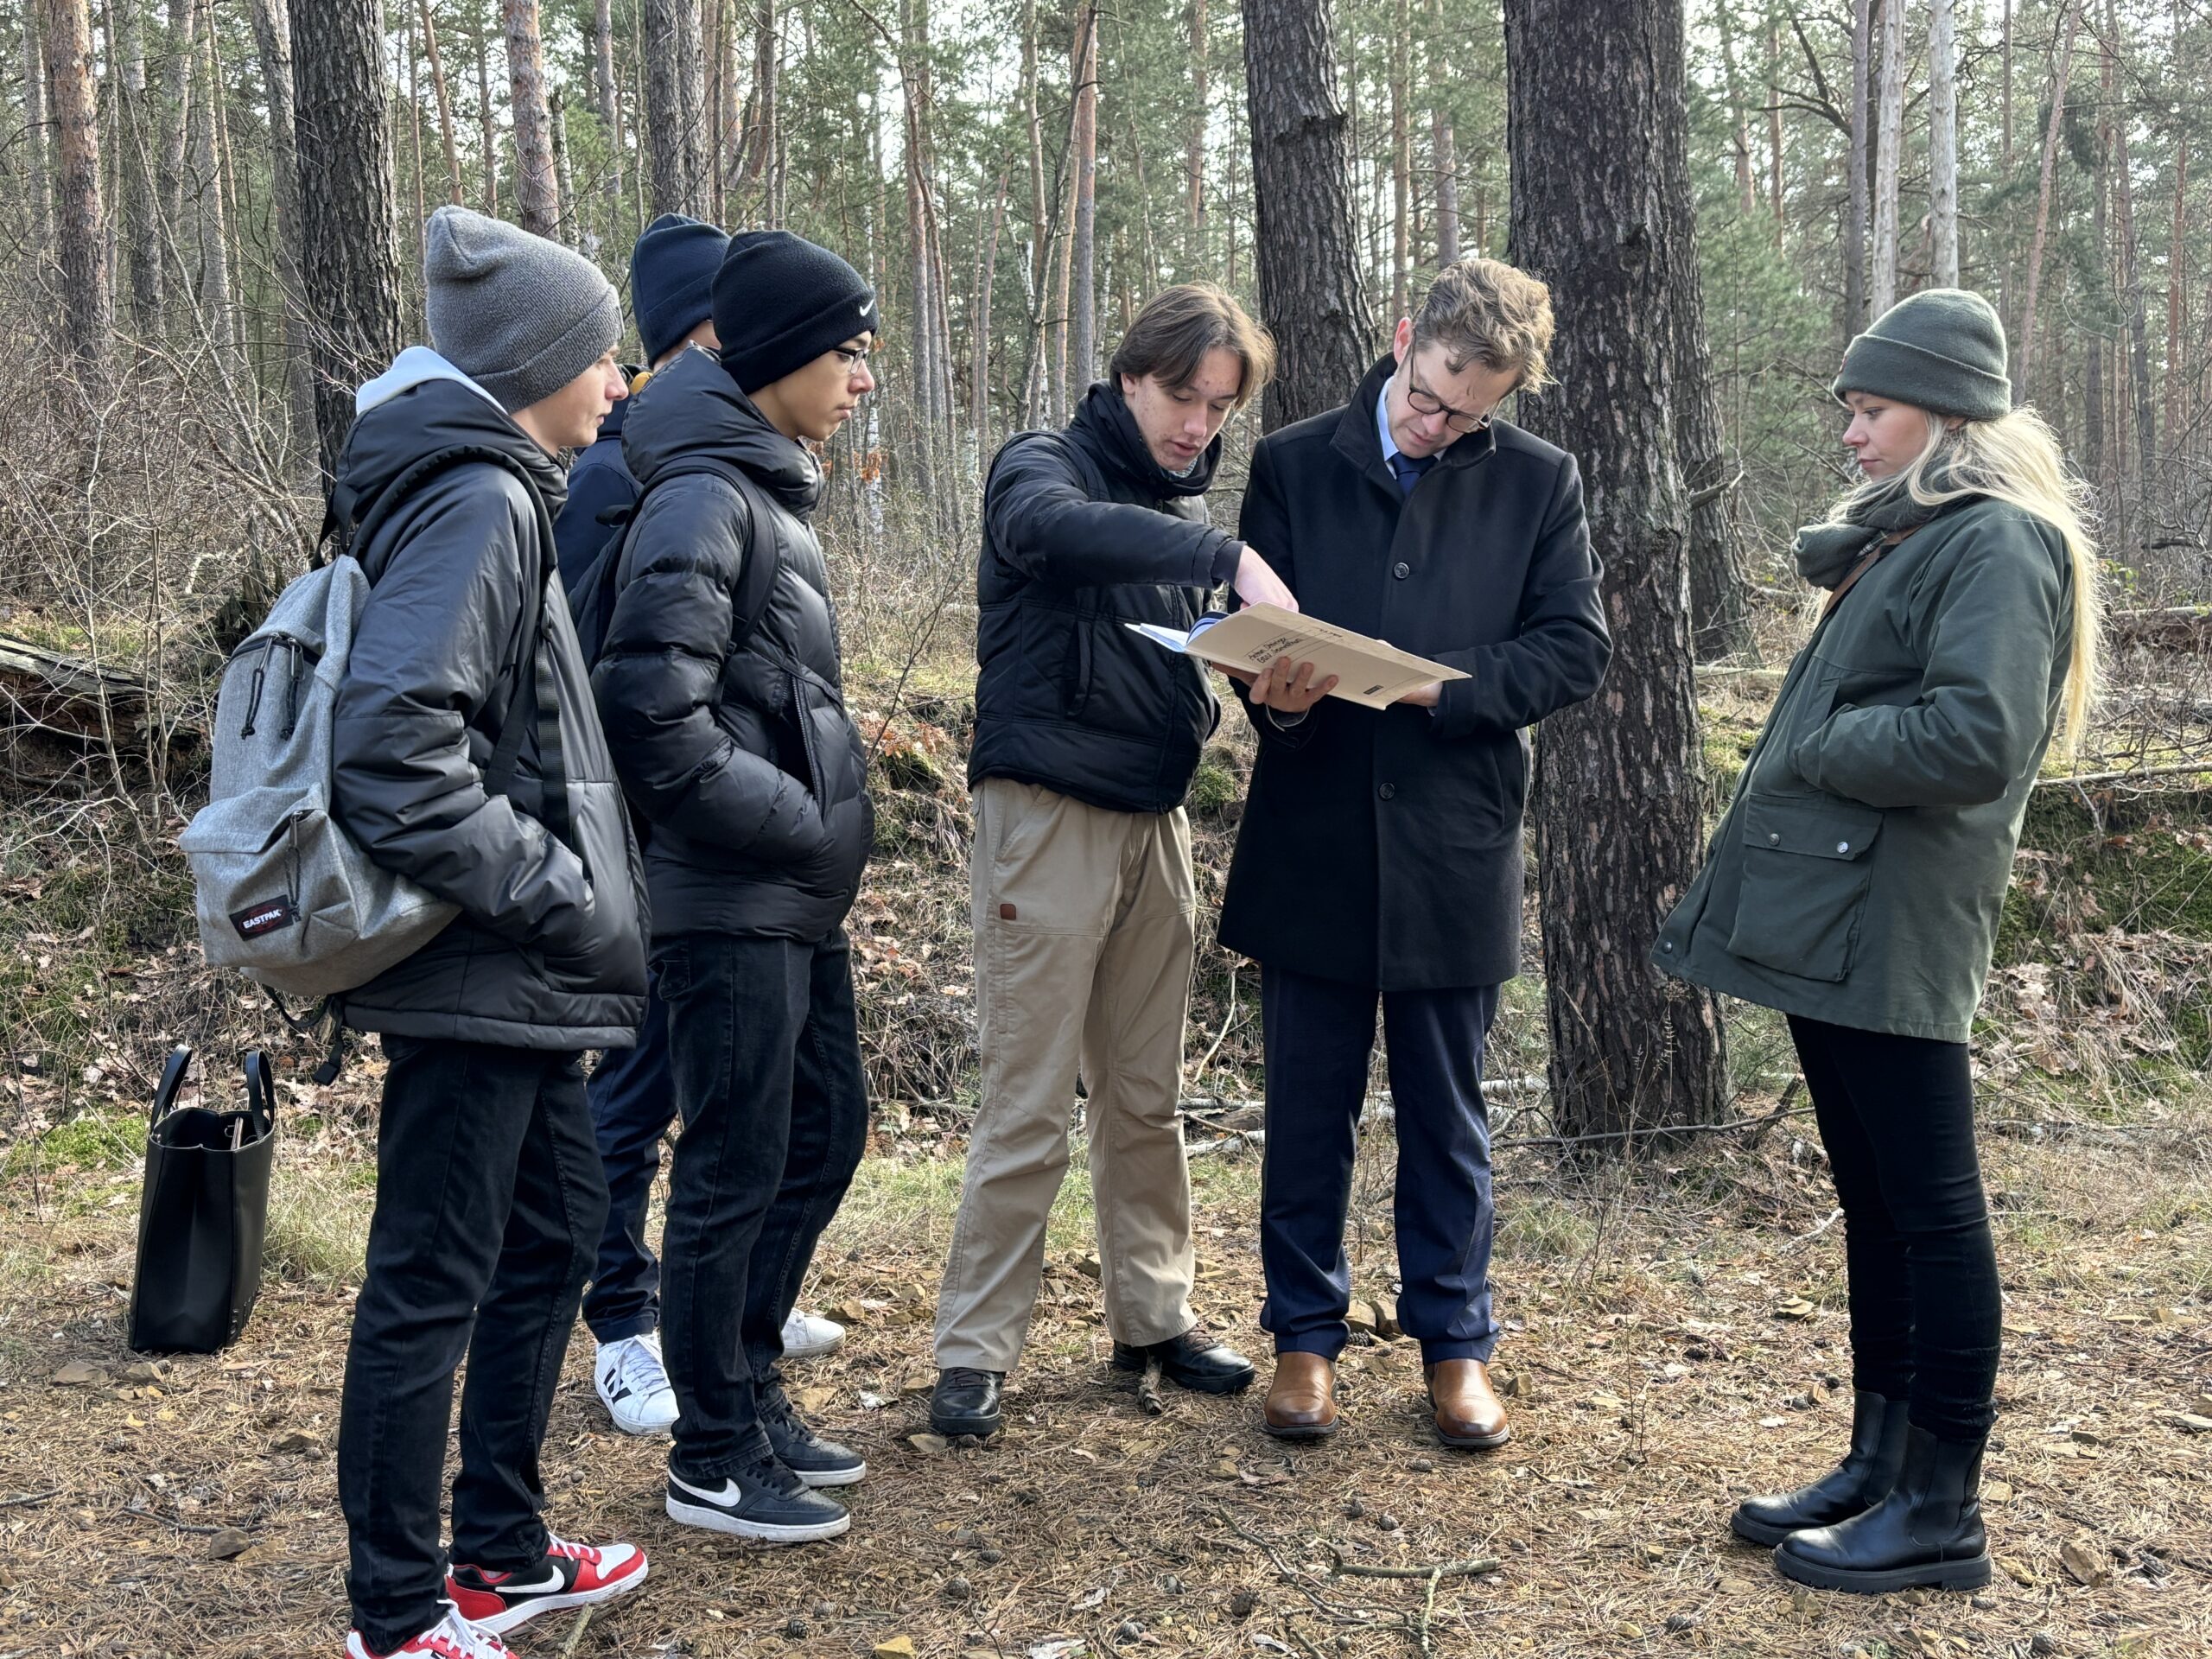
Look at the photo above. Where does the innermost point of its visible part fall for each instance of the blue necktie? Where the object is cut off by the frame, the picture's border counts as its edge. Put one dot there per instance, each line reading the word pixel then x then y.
pixel 1410 469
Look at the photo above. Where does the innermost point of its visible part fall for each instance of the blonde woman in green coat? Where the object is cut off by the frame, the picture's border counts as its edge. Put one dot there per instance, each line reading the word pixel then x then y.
pixel 1855 885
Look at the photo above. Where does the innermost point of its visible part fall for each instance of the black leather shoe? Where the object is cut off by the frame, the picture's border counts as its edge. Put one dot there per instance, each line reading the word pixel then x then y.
pixel 966 1402
pixel 1857 1484
pixel 1193 1360
pixel 1928 1531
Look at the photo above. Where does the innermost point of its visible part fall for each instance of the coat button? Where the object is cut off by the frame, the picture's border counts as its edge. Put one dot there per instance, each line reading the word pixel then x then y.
pixel 1401 569
pixel 1668 945
pixel 1387 791
pixel 1843 846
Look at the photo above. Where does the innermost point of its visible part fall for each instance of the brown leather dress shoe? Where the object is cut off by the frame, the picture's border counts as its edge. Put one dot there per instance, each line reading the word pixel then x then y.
pixel 1468 1411
pixel 1302 1398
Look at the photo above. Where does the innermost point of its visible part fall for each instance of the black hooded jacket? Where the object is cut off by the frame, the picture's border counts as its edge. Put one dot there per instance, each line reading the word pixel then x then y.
pixel 1082 532
pixel 548 950
pixel 744 761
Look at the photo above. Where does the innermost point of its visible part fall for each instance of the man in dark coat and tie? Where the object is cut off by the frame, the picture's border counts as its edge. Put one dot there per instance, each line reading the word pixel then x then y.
pixel 1379 859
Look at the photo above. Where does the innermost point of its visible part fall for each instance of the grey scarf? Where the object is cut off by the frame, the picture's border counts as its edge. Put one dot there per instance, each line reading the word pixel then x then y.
pixel 1826 552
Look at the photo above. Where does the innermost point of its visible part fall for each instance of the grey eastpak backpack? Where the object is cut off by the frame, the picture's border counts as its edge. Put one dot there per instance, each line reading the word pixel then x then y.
pixel 281 891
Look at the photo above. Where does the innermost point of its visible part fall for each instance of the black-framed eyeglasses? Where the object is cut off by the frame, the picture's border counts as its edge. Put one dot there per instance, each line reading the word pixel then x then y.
pixel 854 357
pixel 1424 401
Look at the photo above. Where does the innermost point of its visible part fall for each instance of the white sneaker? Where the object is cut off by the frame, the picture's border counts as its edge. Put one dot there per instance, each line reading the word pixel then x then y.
pixel 809 1336
pixel 451 1637
pixel 633 1385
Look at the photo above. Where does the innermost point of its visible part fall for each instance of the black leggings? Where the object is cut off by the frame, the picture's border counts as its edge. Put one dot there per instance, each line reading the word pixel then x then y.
pixel 1897 1116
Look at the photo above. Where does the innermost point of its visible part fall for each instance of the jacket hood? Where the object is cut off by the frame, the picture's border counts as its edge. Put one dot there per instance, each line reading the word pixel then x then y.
pixel 422 406
pixel 1358 438
pixel 1104 421
pixel 692 408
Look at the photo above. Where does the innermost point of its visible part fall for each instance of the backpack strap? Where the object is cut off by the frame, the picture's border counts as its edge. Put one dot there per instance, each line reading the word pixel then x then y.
pixel 756 577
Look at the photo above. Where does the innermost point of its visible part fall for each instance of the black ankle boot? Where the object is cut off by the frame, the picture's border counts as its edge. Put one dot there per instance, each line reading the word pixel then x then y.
pixel 1928 1530
pixel 1858 1483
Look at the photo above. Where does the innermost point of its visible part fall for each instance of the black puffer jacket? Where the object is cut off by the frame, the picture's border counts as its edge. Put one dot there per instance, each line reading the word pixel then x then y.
pixel 1083 531
pixel 745 762
pixel 548 950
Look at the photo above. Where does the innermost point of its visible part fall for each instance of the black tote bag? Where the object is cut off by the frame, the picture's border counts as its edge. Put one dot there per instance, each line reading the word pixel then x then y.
pixel 202 1216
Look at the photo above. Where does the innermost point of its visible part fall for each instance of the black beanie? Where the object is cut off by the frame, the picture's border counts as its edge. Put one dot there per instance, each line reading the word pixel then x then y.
pixel 673 279
pixel 780 302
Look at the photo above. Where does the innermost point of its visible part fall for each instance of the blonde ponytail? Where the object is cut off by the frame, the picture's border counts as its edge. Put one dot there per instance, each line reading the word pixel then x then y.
pixel 2016 459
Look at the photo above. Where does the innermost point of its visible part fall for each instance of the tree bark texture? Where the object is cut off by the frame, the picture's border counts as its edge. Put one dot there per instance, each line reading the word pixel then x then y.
pixel 439 90
pixel 1889 155
pixel 1307 251
pixel 1194 148
pixel 272 39
pixel 1084 70
pixel 610 125
pixel 1442 143
pixel 210 231
pixel 675 107
pixel 1595 109
pixel 1856 215
pixel 79 221
pixel 141 230
pixel 538 191
pixel 1943 141
pixel 37 130
pixel 2062 72
pixel 179 42
pixel 348 261
pixel 1402 164
pixel 487 126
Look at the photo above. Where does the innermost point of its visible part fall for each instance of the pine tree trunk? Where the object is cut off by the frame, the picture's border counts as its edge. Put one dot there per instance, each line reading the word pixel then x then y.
pixel 140 232
pixel 610 123
pixel 714 57
pixel 538 192
pixel 38 131
pixel 1773 151
pixel 1889 156
pixel 1442 141
pixel 2177 275
pixel 565 177
pixel 2024 360
pixel 1307 249
pixel 1739 130
pixel 1856 215
pixel 1402 165
pixel 347 258
pixel 64 35
pixel 1597 119
pixel 2131 281
pixel 487 127
pixel 214 287
pixel 1085 70
pixel 1943 141
pixel 1033 390
pixel 1194 148
pixel 272 38
pixel 445 103
pixel 180 43
pixel 675 98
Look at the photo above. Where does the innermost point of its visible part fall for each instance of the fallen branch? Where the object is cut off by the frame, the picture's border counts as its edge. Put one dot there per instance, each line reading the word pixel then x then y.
pixel 2178 769
pixel 1655 1132
pixel 28 1498
pixel 576 1630
pixel 1835 1216
pixel 181 1526
pixel 1475 1566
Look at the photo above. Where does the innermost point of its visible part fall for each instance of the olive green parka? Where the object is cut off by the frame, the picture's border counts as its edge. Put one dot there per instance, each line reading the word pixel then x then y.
pixel 1858 875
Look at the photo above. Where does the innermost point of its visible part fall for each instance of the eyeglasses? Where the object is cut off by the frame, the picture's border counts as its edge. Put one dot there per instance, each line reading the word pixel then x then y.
pixel 854 357
pixel 1424 401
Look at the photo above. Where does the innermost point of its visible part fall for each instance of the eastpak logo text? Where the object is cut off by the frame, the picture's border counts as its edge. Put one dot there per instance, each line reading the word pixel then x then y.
pixel 271 917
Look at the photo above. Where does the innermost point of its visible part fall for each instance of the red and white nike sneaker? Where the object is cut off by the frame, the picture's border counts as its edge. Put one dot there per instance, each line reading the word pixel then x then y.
pixel 572 1575
pixel 451 1637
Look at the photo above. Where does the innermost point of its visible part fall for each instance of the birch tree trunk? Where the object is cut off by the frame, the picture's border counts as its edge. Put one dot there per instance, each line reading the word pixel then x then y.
pixel 538 192
pixel 564 178
pixel 1039 238
pixel 65 33
pixel 1402 164
pixel 603 90
pixel 1773 151
pixel 1943 141
pixel 1085 70
pixel 1307 249
pixel 181 37
pixel 1194 149
pixel 37 129
pixel 213 292
pixel 1597 120
pixel 1889 157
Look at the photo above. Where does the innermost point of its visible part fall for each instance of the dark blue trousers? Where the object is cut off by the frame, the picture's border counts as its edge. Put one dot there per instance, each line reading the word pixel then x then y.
pixel 1319 1035
pixel 633 1096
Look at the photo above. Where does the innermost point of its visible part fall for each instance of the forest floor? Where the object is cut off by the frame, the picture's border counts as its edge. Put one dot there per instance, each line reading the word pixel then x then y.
pixel 1676 1331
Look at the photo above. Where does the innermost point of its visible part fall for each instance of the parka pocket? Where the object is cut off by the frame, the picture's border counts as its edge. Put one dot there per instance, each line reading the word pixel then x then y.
pixel 1805 876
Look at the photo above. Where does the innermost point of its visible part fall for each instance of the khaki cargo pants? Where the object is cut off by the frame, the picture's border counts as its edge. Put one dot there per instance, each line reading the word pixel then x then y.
pixel 1084 932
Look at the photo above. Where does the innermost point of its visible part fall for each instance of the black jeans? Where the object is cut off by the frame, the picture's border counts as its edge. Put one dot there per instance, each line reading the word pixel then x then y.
pixel 1896 1116
pixel 632 1103
pixel 766 1060
pixel 1319 1034
pixel 489 1202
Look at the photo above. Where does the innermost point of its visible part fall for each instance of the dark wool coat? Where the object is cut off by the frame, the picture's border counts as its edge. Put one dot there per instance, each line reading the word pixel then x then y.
pixel 744 761
pixel 1859 875
pixel 1383 847
pixel 548 950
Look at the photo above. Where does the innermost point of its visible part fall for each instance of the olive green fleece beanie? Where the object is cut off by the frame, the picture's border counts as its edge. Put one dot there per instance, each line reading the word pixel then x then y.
pixel 1941 350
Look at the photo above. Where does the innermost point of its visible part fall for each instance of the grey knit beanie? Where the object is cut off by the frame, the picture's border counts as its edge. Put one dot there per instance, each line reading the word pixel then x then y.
pixel 1941 350
pixel 519 315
